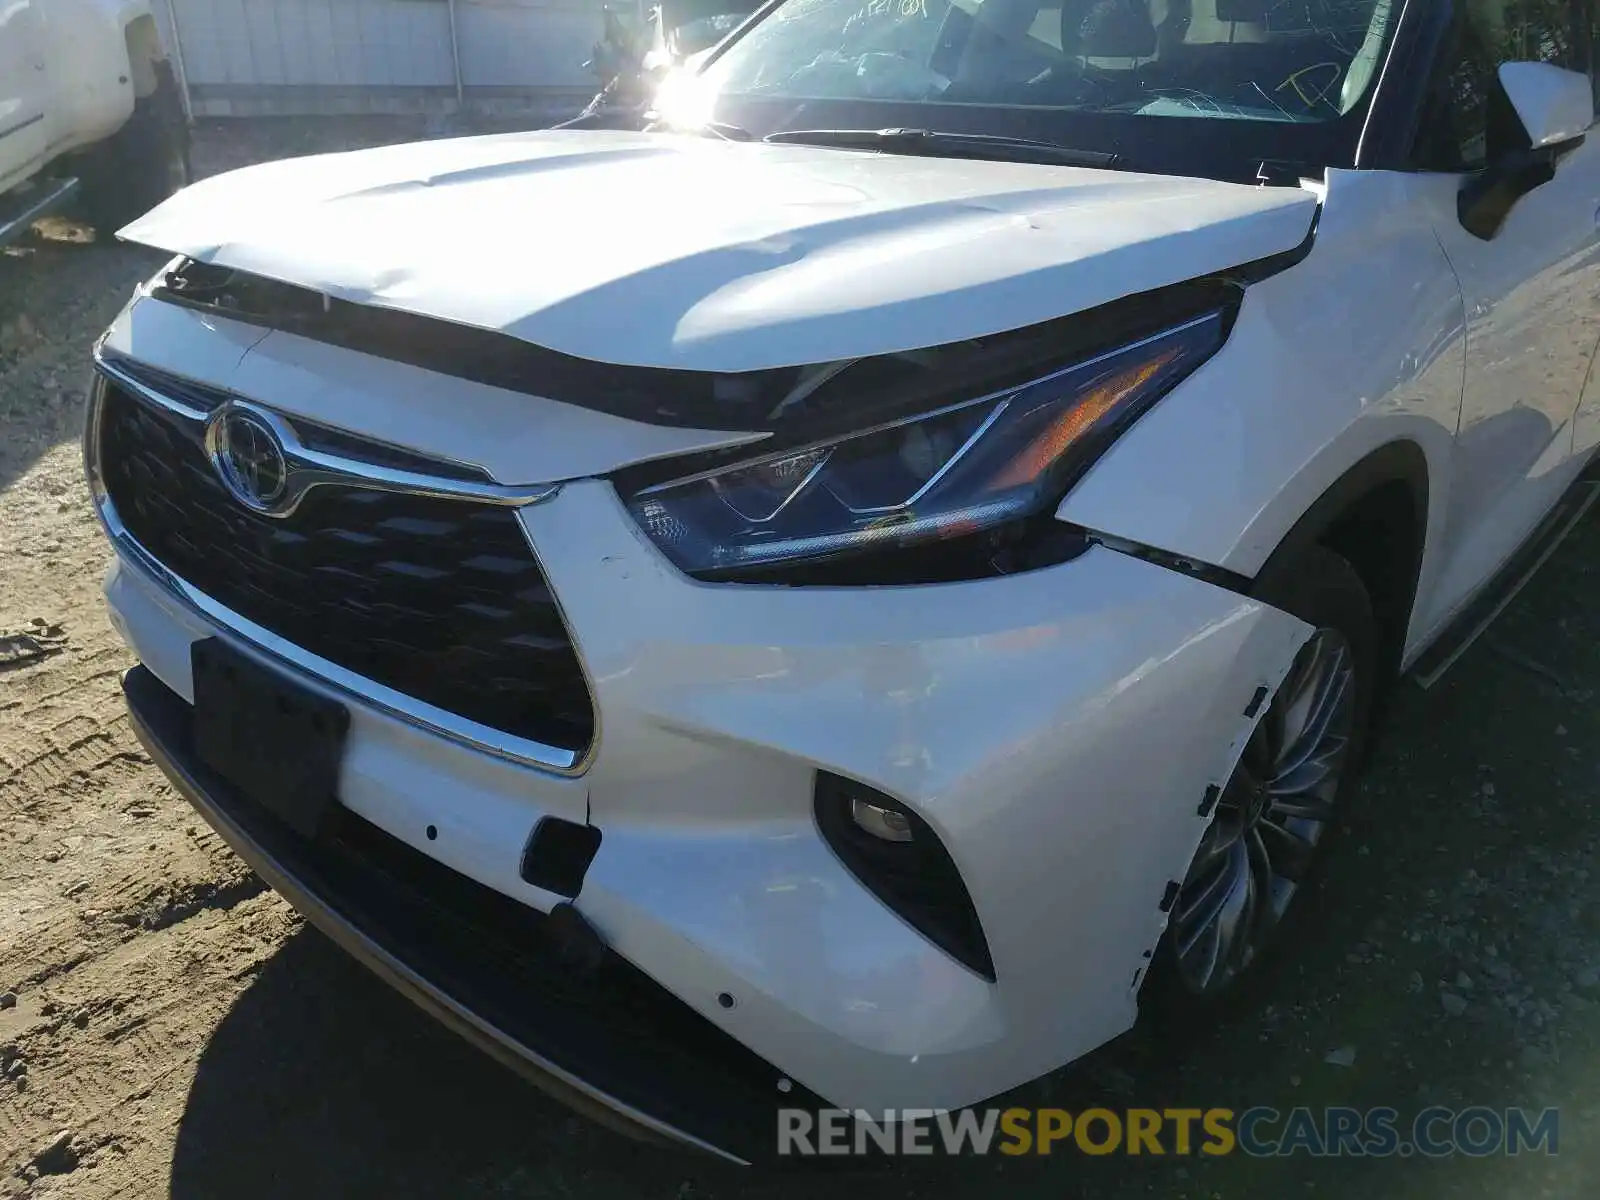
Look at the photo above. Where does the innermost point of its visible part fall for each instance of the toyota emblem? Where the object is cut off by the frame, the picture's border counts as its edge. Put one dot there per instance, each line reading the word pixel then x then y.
pixel 248 457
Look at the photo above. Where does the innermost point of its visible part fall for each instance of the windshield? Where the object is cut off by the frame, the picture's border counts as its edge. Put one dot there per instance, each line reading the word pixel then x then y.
pixel 1161 83
pixel 703 32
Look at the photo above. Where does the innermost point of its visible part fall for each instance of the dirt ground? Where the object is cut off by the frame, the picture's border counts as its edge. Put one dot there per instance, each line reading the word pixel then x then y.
pixel 168 1027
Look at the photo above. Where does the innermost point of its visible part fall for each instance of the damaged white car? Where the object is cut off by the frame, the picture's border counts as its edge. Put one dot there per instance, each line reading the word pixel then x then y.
pixel 843 594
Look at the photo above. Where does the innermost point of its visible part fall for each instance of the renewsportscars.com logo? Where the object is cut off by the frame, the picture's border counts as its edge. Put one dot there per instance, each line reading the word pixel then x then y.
pixel 1260 1132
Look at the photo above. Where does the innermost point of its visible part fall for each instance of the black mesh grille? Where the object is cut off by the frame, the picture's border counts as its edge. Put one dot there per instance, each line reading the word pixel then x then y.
pixel 439 599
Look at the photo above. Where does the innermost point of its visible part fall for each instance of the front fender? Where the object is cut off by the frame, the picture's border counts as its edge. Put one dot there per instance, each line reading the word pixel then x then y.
pixel 1059 729
pixel 93 83
pixel 1359 345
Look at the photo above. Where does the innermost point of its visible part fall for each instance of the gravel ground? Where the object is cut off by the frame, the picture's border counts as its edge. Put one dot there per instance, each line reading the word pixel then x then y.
pixel 168 1027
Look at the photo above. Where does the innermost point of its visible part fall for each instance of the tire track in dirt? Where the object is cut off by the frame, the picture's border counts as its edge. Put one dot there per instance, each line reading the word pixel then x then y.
pixel 84 759
pixel 106 1045
pixel 127 928
pixel 126 931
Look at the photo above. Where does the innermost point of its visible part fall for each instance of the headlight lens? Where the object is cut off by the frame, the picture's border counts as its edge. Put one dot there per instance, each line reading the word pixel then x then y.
pixel 951 473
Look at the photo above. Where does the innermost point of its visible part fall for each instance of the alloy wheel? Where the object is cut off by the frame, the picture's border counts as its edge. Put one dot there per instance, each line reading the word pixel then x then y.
pixel 1269 819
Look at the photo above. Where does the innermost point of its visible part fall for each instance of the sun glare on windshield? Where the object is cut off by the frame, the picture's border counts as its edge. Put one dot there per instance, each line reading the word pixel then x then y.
pixel 1264 60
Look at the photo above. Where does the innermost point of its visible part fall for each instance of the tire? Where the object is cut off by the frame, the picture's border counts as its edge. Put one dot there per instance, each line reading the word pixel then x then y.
pixel 140 165
pixel 1322 589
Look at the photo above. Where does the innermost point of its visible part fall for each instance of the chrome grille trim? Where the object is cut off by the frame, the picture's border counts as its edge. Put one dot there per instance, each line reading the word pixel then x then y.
pixel 312 468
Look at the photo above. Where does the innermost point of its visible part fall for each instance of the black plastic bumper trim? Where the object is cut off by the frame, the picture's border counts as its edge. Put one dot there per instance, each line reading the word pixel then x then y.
pixel 144 693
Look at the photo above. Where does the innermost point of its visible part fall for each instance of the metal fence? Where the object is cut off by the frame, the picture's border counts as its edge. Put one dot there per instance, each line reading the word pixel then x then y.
pixel 253 57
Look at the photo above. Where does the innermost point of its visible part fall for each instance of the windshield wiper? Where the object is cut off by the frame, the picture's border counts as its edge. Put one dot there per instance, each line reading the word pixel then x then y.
pixel 940 143
pixel 721 129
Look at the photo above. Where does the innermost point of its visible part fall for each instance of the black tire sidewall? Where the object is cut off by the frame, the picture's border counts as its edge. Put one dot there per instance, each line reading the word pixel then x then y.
pixel 132 171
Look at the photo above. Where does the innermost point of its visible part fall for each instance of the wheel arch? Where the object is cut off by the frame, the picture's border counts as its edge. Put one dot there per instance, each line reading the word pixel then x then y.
pixel 145 54
pixel 1375 515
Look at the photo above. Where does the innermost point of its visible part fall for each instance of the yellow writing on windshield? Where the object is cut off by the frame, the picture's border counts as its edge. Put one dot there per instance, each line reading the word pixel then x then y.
pixel 890 8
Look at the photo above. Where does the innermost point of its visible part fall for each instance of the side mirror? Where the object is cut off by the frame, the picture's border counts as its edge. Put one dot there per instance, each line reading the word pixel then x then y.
pixel 1555 108
pixel 1554 105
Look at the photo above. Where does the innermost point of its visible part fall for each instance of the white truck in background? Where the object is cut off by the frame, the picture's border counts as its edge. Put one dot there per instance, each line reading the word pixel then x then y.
pixel 90 109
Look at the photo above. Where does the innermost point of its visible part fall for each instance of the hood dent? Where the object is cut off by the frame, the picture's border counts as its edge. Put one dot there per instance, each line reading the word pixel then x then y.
pixel 654 250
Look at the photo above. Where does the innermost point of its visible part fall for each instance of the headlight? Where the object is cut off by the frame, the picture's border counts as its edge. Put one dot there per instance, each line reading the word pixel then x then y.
pixel 948 474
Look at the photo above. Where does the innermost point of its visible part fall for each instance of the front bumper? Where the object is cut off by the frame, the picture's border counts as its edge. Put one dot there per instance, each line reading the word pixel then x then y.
pixel 1059 738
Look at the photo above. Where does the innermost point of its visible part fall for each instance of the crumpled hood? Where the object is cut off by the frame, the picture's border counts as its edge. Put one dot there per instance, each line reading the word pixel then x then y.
pixel 698 253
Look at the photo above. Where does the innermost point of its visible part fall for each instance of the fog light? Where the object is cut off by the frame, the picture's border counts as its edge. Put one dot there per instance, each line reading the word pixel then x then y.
pixel 900 858
pixel 880 822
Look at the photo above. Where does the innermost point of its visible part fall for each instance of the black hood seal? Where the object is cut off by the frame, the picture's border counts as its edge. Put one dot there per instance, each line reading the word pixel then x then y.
pixel 882 388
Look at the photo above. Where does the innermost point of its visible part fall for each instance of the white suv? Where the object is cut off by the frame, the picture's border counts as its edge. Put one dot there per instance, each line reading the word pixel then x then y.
pixel 843 594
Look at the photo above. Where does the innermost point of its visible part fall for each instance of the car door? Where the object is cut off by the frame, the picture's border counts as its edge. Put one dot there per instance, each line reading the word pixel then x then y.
pixel 22 90
pixel 1531 293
